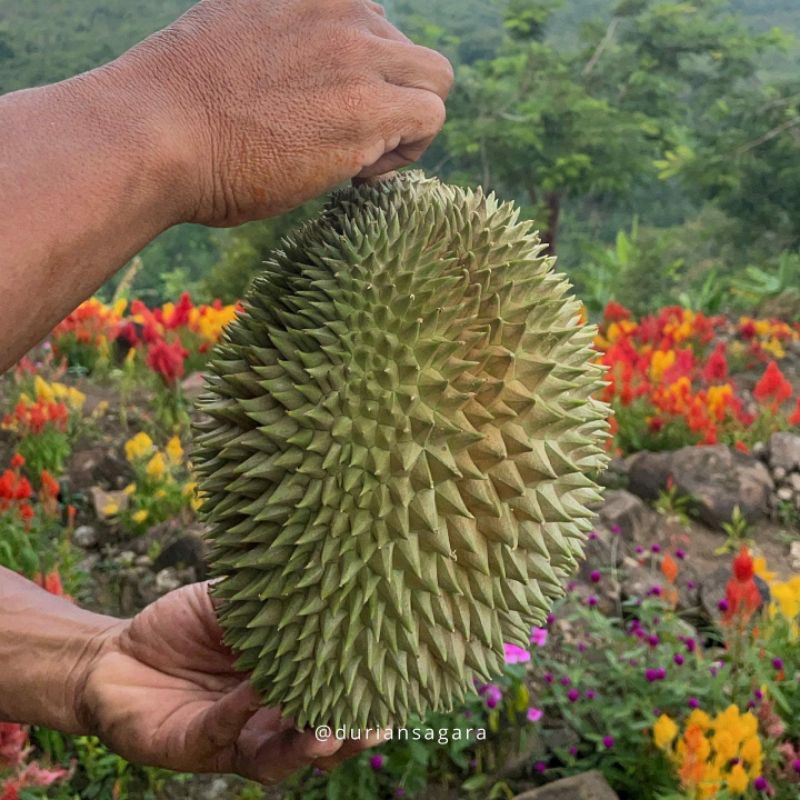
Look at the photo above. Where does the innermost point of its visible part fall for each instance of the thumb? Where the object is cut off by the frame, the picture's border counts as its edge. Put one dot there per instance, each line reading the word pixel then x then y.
pixel 219 726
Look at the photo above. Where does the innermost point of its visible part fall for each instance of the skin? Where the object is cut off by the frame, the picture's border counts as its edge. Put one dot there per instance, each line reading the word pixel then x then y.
pixel 242 109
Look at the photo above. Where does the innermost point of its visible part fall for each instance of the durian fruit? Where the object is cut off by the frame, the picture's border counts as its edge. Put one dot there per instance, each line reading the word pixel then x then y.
pixel 397 452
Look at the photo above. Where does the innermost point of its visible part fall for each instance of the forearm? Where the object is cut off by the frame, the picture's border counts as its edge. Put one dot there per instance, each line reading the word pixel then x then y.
pixel 46 644
pixel 84 185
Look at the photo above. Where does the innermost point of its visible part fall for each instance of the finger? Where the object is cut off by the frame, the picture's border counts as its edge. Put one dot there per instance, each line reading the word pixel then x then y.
pixel 416 67
pixel 285 753
pixel 384 29
pixel 218 728
pixel 350 748
pixel 405 125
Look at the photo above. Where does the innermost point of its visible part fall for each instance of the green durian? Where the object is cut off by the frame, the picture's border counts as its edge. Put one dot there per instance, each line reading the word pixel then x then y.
pixel 396 453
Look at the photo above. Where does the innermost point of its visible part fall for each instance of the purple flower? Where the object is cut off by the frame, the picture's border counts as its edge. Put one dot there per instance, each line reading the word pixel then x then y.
pixel 317 772
pixel 534 714
pixel 678 659
pixel 691 585
pixel 492 694
pixel 573 695
pixel 633 662
pixel 399 792
pixel 595 575
pixel 655 548
pixel 796 765
pixel 608 742
pixel 653 674
pixel 615 529
pixel 653 640
pixel 551 618
pixel 571 586
pixel 761 784
pixel 639 549
pixel 758 694
pixel 540 767
pixel 593 537
pixel 565 681
pixel 548 677
pixel 656 712
pixel 591 600
pixel 691 644
pixel 723 605
pixel 377 761
pixel 590 694
pixel 539 637
pixel 654 591
pixel 777 663
pixel 573 751
pixel 514 654
pixel 693 703
pixel 680 554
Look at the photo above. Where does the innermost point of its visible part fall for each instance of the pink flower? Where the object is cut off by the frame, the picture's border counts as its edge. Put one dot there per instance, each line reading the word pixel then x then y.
pixel 534 714
pixel 34 775
pixel 515 654
pixel 539 636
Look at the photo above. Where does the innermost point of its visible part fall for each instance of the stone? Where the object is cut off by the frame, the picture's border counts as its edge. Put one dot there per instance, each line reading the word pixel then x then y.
pixel 84 536
pixel 760 451
pixel 784 450
pixel 97 465
pixel 794 481
pixel 636 522
pixel 107 504
pixel 778 473
pixel 143 561
pixel 586 786
pixel 648 473
pixel 717 479
pixel 794 556
pixel 167 581
pixel 785 493
pixel 187 550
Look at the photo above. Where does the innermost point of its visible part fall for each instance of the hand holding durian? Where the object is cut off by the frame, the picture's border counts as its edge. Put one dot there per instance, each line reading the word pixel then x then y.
pixel 397 453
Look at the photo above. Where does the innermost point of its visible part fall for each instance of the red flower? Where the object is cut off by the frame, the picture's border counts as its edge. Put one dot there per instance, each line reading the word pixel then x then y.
pixel 17 461
pixel 50 487
pixel 773 386
pixel 167 360
pixel 180 313
pixel 716 368
pixel 794 419
pixel 615 312
pixel 13 738
pixel 52 583
pixel 741 593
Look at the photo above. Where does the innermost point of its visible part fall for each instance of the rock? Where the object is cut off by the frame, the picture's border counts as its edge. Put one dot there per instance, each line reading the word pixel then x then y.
pixel 648 473
pixel 219 789
pixel 96 465
pixel 718 478
pixel 126 558
pixel 84 536
pixel 785 493
pixel 760 451
pixel 167 580
pixel 106 504
pixel 794 481
pixel 586 786
pixel 626 514
pixel 784 450
pixel 188 550
pixel 143 561
pixel 794 556
pixel 778 473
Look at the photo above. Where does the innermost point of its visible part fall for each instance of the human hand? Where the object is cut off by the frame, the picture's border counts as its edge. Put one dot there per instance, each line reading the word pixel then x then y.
pixel 264 105
pixel 161 691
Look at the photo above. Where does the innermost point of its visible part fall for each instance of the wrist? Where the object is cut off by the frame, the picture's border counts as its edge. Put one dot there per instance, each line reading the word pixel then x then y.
pixel 47 647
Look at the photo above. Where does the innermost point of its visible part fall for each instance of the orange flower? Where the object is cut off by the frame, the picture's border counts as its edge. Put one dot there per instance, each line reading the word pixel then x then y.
pixel 669 568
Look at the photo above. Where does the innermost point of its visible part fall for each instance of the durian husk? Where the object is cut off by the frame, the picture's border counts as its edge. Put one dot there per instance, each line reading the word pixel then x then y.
pixel 398 447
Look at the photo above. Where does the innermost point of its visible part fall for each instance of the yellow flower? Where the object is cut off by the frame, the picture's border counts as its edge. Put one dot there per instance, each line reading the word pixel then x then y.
pixel 43 389
pixel 751 753
pixel 774 346
pixel 174 450
pixel 138 446
pixel 725 744
pixel 156 466
pixel 662 360
pixel 700 718
pixel 118 309
pixel 139 516
pixel 160 494
pixel 737 780
pixel 75 398
pixel 110 509
pixel 130 489
pixel 664 732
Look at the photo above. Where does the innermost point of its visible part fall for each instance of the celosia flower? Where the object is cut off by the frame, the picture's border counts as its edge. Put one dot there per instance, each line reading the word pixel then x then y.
pixel 138 446
pixel 167 360
pixel 13 739
pixel 773 387
pixel 174 450
pixel 664 732
pixel 156 466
